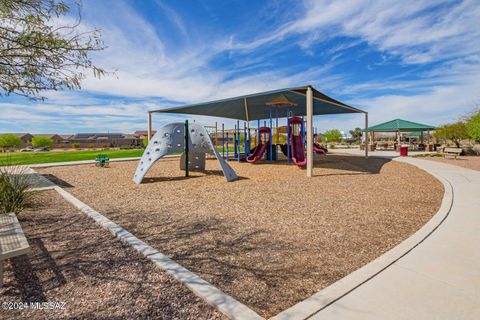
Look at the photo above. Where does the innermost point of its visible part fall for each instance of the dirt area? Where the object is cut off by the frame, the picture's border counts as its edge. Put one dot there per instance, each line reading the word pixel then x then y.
pixel 470 162
pixel 76 262
pixel 274 237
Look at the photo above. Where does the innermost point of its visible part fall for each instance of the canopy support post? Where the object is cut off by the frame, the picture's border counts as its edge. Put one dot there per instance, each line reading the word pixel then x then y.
pixel 149 132
pixel 366 134
pixel 309 131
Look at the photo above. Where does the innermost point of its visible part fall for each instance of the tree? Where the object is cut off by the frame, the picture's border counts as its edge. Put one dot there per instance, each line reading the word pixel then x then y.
pixel 333 135
pixel 38 52
pixel 455 132
pixel 356 134
pixel 39 141
pixel 9 141
pixel 473 127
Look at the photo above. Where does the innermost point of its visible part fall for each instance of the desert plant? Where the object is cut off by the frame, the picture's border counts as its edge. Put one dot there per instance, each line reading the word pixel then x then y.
pixel 40 141
pixel 15 188
pixel 356 134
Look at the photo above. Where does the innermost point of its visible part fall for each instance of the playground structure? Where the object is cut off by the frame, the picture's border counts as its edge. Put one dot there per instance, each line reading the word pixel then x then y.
pixel 192 140
pixel 303 102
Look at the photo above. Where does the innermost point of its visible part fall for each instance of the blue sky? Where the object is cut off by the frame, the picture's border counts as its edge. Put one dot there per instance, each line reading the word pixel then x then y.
pixel 417 60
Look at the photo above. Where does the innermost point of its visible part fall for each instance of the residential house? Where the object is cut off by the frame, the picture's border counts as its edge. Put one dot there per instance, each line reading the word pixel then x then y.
pixel 105 140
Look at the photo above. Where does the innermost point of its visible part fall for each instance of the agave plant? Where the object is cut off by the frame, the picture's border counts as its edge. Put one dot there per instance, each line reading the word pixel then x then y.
pixel 15 188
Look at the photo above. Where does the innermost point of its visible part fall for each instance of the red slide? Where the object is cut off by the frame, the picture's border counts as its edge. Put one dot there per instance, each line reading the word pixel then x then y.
pixel 317 148
pixel 298 149
pixel 259 150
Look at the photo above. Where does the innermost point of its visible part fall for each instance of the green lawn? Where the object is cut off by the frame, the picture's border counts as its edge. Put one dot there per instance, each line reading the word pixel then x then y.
pixel 14 158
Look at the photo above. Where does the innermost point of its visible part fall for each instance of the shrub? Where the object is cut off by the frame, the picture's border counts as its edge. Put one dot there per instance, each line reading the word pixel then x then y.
pixel 15 187
pixel 40 141
pixel 473 127
pixel 9 141
pixel 91 146
pixel 76 145
pixel 333 135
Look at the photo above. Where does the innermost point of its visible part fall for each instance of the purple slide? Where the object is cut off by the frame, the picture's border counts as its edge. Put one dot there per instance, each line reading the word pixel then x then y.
pixel 317 148
pixel 259 150
pixel 298 149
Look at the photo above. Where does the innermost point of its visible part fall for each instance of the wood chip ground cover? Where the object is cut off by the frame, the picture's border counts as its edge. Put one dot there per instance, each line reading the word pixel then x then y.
pixel 96 275
pixel 274 237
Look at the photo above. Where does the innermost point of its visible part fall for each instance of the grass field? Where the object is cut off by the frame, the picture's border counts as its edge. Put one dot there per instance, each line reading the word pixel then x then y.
pixel 15 158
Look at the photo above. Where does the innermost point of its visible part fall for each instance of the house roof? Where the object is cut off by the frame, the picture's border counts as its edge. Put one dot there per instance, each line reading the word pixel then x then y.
pixel 257 106
pixel 48 135
pixel 400 125
pixel 18 134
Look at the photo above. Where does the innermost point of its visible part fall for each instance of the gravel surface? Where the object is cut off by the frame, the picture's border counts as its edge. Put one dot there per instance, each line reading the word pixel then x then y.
pixel 274 237
pixel 96 275
pixel 470 162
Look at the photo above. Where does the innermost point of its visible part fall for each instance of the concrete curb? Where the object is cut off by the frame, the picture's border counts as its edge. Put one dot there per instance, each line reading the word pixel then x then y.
pixel 201 288
pixel 342 287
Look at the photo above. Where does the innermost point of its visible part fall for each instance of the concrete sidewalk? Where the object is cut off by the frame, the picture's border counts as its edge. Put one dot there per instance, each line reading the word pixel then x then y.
pixel 439 278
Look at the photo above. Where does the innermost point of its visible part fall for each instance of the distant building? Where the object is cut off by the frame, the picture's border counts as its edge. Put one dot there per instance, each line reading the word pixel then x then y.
pixel 143 133
pixel 105 140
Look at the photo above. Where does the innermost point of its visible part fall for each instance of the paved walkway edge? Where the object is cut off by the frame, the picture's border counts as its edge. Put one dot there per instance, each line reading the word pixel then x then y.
pixel 201 288
pixel 342 287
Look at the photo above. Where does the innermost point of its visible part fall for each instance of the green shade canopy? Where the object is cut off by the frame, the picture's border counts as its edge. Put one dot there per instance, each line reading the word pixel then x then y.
pixel 400 125
pixel 257 106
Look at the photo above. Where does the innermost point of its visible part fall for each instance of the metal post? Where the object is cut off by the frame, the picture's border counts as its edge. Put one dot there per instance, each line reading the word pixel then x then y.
pixel 309 132
pixel 270 137
pixel 235 141
pixel 216 135
pixel 238 140
pixel 265 138
pixel 366 134
pixel 288 136
pixel 245 139
pixel 186 148
pixel 223 140
pixel 227 145
pixel 276 132
pixel 249 139
pixel 258 132
pixel 302 127
pixel 149 134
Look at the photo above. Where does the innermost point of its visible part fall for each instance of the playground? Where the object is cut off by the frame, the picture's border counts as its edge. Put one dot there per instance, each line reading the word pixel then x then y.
pixel 273 237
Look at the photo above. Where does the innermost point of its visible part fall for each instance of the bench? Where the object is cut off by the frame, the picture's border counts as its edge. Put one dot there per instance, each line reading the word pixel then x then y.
pixel 102 160
pixel 12 240
pixel 454 152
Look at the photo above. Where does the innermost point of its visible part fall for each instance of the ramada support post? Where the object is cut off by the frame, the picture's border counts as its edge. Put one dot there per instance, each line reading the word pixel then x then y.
pixel 309 131
pixel 366 134
pixel 149 132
